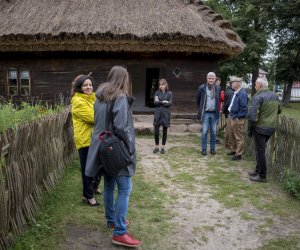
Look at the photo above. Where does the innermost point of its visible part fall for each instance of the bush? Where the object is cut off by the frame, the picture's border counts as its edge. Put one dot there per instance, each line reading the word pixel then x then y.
pixel 292 184
pixel 11 115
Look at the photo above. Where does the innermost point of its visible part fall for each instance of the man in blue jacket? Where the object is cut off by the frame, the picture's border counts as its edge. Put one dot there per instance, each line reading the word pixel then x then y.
pixel 237 112
pixel 208 101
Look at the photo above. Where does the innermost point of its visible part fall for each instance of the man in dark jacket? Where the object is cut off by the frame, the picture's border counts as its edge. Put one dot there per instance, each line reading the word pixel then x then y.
pixel 208 101
pixel 237 112
pixel 262 118
pixel 227 100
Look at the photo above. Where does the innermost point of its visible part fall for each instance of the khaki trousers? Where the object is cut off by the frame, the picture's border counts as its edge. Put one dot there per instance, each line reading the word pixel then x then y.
pixel 236 136
pixel 226 135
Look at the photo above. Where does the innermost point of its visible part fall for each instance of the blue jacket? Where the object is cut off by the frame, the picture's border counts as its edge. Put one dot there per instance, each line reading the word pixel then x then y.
pixel 201 100
pixel 239 107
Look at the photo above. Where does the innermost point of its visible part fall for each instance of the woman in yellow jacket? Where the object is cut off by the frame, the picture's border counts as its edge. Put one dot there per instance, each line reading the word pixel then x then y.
pixel 83 99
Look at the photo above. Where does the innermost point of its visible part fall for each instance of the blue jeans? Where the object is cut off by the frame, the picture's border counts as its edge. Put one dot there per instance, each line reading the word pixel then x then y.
pixel 116 211
pixel 209 121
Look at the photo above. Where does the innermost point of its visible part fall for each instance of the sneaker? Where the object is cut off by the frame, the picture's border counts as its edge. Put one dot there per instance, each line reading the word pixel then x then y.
pixel 257 178
pixel 125 240
pixel 236 157
pixel 113 225
pixel 204 152
pixel 212 152
pixel 231 153
pixel 162 151
pixel 156 150
pixel 252 173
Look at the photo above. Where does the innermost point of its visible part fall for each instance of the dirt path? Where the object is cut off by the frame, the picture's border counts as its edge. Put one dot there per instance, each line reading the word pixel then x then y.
pixel 202 222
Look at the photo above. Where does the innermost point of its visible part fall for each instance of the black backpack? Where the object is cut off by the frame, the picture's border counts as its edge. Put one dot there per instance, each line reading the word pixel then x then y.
pixel 114 155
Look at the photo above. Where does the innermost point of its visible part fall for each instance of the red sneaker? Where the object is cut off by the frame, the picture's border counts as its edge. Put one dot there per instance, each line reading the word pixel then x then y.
pixel 113 225
pixel 126 240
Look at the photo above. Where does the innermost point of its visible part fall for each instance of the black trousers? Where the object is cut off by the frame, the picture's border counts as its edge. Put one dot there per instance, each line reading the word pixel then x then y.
pixel 156 135
pixel 90 184
pixel 260 153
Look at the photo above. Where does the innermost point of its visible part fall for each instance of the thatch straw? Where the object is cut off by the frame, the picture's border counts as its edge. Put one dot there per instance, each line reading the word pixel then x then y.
pixel 115 25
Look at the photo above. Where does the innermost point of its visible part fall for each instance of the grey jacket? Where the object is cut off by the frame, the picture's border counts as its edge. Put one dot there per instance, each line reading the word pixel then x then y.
pixel 122 127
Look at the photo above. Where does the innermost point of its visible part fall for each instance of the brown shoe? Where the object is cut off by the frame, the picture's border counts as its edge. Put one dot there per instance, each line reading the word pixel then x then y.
pixel 257 178
pixel 126 240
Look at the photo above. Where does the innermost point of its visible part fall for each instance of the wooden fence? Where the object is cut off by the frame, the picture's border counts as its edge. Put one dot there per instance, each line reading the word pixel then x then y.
pixel 283 149
pixel 32 159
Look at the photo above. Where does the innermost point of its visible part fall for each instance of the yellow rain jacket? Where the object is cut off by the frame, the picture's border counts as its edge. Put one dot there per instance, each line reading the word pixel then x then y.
pixel 83 118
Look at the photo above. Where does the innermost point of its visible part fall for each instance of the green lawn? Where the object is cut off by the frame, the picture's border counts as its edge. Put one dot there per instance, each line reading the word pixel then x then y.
pixel 293 111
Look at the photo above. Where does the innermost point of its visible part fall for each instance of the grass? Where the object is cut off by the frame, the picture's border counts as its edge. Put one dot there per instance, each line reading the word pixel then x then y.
pixel 288 243
pixel 292 111
pixel 62 207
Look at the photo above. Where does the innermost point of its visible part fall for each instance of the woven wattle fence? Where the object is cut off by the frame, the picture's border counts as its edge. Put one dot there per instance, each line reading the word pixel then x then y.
pixel 33 158
pixel 283 149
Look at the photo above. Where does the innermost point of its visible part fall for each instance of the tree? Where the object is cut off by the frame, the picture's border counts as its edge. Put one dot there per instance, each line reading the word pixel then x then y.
pixel 285 16
pixel 249 21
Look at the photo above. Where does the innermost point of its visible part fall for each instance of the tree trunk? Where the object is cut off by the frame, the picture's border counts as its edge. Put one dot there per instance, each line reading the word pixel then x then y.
pixel 287 93
pixel 254 77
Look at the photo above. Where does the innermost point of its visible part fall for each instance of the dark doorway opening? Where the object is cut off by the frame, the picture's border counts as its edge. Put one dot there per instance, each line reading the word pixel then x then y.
pixel 152 78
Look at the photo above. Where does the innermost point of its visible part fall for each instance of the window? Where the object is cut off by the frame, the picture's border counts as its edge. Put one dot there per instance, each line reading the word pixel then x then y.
pixel 18 82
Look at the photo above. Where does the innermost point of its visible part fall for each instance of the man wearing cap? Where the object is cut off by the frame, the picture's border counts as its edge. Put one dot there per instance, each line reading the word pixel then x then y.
pixel 262 118
pixel 238 109
pixel 208 102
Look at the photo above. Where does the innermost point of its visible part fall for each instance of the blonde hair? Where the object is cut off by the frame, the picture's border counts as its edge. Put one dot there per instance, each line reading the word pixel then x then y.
pixel 164 82
pixel 117 84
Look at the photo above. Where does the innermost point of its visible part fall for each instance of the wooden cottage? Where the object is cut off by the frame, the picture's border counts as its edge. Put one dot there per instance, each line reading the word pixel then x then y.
pixel 44 44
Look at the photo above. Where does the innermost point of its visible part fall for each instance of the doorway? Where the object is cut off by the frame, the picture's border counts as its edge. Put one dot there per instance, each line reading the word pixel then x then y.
pixel 152 78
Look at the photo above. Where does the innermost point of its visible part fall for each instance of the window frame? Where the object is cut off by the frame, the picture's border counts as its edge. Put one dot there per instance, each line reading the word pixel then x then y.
pixel 19 81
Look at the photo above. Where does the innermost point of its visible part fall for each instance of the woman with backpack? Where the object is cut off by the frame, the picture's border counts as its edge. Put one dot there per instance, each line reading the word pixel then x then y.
pixel 115 92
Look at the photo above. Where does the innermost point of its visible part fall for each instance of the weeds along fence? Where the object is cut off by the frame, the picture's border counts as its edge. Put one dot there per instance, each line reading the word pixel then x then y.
pixel 33 157
pixel 283 149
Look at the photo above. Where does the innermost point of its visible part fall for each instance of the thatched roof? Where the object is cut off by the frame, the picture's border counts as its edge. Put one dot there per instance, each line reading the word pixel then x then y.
pixel 115 25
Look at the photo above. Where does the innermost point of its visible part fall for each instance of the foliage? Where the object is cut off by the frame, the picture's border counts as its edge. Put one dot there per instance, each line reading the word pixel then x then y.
pixel 11 115
pixel 257 21
pixel 249 21
pixel 292 184
pixel 286 22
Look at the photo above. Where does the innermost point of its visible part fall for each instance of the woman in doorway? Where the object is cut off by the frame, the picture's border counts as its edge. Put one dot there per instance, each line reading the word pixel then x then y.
pixel 162 114
pixel 82 101
pixel 115 91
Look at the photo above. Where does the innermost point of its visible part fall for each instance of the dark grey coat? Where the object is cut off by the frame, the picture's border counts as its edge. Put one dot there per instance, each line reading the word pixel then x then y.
pixel 162 113
pixel 122 127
